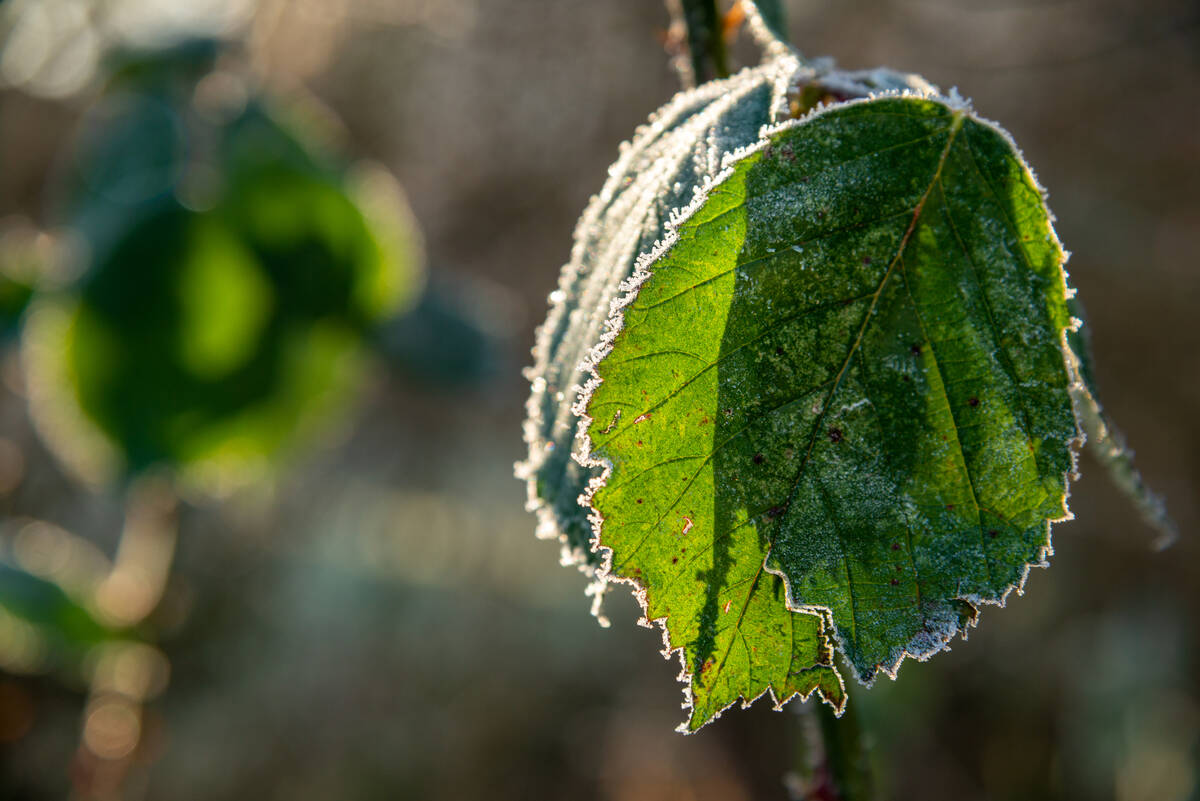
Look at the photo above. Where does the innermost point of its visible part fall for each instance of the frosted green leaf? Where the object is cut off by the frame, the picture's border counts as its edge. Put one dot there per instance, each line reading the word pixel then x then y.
pixel 837 395
pixel 669 158
pixel 834 383
pixel 679 151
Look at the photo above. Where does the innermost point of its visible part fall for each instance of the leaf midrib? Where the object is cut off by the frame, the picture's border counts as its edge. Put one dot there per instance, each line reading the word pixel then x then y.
pixel 955 127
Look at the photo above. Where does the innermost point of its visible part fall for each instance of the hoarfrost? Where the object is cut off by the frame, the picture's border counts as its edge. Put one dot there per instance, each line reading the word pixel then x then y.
pixel 663 176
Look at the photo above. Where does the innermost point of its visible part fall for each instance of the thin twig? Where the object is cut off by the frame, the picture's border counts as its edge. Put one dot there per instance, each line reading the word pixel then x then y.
pixel 697 34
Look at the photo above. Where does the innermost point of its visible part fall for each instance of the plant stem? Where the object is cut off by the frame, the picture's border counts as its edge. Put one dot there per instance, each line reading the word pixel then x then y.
pixel 832 759
pixel 706 57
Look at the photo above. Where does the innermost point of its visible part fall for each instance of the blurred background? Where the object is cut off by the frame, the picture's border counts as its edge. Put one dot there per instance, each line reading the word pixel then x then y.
pixel 314 577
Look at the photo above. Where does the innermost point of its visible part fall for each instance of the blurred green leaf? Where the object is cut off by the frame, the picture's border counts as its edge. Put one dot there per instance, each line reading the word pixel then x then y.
pixel 66 626
pixel 14 297
pixel 233 289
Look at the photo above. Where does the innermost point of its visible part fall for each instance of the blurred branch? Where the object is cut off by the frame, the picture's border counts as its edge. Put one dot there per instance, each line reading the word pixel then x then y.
pixel 833 761
pixel 705 57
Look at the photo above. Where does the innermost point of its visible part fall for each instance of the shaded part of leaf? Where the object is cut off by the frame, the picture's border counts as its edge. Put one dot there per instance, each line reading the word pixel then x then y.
pixel 963 464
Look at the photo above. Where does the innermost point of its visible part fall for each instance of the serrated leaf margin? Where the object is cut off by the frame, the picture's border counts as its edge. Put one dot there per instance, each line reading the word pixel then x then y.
pixel 628 293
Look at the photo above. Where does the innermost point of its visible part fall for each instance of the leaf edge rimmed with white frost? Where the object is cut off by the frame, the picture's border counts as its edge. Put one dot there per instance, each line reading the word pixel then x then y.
pixel 628 293
pixel 785 72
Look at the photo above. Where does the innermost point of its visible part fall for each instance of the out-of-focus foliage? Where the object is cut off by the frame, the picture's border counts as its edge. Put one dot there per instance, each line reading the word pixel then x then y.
pixel 49 616
pixel 56 48
pixel 16 285
pixel 56 622
pixel 381 624
pixel 231 284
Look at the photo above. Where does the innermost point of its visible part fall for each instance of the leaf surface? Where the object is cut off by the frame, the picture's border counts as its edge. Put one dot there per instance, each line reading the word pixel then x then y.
pixel 660 170
pixel 836 404
pixel 670 159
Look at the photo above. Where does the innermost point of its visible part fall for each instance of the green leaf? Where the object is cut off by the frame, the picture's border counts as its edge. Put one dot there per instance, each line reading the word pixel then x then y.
pixel 668 160
pixel 43 627
pixel 217 340
pixel 673 157
pixel 844 373
pixel 832 399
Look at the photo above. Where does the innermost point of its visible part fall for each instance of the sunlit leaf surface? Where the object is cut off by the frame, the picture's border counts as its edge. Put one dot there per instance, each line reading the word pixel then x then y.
pixel 810 375
pixel 846 377
pixel 670 159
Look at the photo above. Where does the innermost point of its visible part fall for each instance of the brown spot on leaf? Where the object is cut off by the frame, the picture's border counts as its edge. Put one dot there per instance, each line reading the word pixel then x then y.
pixel 639 500
pixel 835 434
pixel 759 458
pixel 895 582
pixel 993 533
pixel 915 349
pixel 895 546
pixel 973 402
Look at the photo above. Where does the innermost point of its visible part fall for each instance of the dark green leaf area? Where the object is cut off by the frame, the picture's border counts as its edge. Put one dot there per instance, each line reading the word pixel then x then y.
pixel 207 332
pixel 44 604
pixel 849 371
